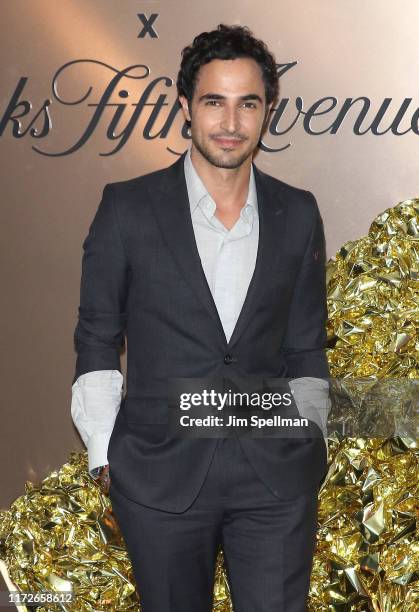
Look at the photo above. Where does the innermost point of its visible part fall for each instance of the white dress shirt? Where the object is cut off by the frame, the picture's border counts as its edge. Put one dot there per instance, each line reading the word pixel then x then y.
pixel 228 259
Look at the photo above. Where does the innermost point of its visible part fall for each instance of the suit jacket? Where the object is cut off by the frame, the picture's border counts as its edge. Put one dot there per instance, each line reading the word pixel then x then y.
pixel 143 281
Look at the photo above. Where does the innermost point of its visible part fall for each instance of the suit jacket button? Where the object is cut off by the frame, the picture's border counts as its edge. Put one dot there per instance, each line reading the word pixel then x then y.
pixel 228 359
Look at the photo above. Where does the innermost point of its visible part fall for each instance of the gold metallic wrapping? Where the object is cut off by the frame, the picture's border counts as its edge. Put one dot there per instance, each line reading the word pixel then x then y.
pixel 367 555
pixel 61 534
pixel 373 308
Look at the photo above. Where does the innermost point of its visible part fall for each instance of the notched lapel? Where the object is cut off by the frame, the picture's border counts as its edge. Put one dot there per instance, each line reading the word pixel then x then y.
pixel 170 205
pixel 272 222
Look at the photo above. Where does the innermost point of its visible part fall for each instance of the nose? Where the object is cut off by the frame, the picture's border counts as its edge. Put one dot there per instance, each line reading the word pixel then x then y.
pixel 231 120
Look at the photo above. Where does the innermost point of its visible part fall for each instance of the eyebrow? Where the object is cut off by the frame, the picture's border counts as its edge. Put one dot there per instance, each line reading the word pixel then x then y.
pixel 213 96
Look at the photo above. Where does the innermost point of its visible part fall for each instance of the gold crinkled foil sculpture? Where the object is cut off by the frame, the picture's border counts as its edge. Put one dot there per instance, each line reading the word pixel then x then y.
pixel 373 309
pixel 61 534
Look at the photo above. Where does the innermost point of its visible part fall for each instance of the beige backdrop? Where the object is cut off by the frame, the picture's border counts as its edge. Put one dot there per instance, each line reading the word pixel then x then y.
pixel 343 49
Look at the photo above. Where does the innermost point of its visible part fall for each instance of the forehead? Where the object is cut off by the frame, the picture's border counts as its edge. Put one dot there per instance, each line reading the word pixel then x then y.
pixel 234 77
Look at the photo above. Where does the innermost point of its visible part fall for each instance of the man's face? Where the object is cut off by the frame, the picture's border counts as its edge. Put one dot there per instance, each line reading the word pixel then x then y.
pixel 227 112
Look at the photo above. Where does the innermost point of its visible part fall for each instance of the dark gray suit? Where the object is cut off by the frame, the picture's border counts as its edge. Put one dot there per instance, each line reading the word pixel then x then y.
pixel 141 277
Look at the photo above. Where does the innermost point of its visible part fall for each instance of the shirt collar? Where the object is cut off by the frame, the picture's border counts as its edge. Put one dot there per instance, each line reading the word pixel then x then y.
pixel 197 190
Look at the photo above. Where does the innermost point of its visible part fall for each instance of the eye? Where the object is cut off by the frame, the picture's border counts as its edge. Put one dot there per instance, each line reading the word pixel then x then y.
pixel 249 105
pixel 212 103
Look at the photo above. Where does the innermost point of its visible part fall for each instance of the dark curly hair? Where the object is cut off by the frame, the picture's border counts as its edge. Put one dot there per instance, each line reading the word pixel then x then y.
pixel 226 42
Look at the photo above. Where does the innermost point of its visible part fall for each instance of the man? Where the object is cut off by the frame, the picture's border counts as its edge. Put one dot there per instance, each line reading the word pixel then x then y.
pixel 212 269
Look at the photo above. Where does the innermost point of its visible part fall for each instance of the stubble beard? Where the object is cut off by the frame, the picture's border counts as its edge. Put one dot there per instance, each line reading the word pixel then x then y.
pixel 218 160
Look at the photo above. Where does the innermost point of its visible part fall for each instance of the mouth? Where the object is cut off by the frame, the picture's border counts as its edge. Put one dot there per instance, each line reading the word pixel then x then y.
pixel 227 143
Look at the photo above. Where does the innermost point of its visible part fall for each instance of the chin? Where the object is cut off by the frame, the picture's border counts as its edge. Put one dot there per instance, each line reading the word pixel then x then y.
pixel 228 160
pixel 219 158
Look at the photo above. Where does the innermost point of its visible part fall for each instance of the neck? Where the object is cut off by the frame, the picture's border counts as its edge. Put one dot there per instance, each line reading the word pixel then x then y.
pixel 227 186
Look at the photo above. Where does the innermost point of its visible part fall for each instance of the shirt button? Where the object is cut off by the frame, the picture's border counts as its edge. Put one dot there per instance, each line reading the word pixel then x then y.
pixel 228 359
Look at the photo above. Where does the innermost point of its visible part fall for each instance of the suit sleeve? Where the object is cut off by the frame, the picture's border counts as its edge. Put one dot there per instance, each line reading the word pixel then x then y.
pixel 305 337
pixel 100 332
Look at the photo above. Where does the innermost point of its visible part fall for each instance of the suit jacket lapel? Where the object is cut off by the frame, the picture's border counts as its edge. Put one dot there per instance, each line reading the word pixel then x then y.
pixel 170 205
pixel 272 220
pixel 172 211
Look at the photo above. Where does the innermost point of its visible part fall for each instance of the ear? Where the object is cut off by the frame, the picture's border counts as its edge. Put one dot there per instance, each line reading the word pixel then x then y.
pixel 185 107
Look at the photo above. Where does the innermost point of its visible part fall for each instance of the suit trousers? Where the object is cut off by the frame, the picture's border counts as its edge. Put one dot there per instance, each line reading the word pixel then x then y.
pixel 268 543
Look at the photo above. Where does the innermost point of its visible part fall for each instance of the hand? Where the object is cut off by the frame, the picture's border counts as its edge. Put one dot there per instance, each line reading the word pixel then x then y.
pixel 104 479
